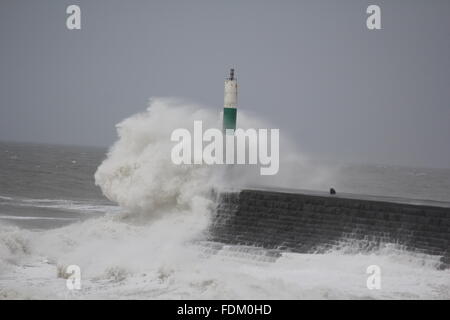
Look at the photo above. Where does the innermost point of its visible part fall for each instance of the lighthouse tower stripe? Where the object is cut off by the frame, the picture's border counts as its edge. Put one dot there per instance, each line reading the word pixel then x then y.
pixel 229 118
pixel 230 99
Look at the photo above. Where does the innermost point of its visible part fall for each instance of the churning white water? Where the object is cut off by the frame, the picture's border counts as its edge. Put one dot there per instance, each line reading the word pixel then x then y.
pixel 153 246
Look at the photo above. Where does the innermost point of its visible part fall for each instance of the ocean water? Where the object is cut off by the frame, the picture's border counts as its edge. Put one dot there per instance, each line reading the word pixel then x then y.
pixel 47 186
pixel 134 223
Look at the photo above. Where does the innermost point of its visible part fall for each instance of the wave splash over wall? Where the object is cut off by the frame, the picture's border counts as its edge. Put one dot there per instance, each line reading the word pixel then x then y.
pixel 139 175
pixel 155 247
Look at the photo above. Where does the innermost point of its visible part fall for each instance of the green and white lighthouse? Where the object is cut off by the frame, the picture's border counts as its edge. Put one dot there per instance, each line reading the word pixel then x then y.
pixel 230 104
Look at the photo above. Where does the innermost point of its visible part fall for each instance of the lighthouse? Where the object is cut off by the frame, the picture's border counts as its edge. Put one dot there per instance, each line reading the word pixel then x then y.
pixel 230 104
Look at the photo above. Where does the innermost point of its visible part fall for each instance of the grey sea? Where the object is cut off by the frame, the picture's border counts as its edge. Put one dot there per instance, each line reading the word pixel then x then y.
pixel 53 215
pixel 48 186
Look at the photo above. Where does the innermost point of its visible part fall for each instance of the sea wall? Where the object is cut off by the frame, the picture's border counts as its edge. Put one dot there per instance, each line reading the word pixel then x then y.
pixel 307 223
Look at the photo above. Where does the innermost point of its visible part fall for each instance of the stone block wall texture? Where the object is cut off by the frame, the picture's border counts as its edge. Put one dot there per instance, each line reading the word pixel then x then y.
pixel 309 223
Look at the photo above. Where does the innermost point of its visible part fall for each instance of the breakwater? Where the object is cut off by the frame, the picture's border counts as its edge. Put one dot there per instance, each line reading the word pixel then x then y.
pixel 306 223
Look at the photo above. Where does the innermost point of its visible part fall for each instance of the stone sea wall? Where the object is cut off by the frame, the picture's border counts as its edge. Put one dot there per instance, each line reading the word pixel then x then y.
pixel 310 223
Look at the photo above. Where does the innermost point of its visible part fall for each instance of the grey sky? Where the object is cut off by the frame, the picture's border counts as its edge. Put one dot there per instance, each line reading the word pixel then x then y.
pixel 339 90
